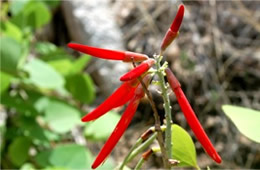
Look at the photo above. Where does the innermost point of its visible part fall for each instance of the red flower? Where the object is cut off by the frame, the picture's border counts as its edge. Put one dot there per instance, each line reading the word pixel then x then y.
pixel 122 125
pixel 131 90
pixel 120 97
pixel 173 31
pixel 191 117
pixel 125 56
pixel 138 71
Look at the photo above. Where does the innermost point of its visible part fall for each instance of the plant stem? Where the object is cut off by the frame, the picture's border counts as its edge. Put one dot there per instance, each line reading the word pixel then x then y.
pixel 138 150
pixel 167 107
pixel 139 164
pixel 138 142
pixel 157 124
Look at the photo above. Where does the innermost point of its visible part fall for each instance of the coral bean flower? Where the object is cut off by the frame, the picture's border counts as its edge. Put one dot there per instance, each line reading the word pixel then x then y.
pixel 138 71
pixel 125 56
pixel 191 117
pixel 122 125
pixel 120 97
pixel 172 32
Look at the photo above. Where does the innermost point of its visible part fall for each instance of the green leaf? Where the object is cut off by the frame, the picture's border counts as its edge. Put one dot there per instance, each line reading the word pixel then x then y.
pixel 45 48
pixel 41 104
pixel 21 105
pixel 18 150
pixel 81 87
pixel 80 64
pixel 42 158
pixel 27 166
pixel 43 75
pixel 61 117
pixel 246 120
pixel 101 128
pixel 57 54
pixel 10 51
pixel 183 148
pixel 71 156
pixel 108 164
pixel 34 14
pixel 11 30
pixel 5 80
pixel 62 66
pixel 17 6
pixel 52 3
pixel 37 134
pixel 56 168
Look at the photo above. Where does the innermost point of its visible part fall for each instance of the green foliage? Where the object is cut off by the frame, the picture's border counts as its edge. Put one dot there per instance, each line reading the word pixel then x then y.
pixel 183 148
pixel 44 48
pixel 101 128
pixel 18 6
pixel 61 117
pixel 4 81
pixel 51 4
pixel 71 156
pixel 10 51
pixel 61 65
pixel 108 164
pixel 24 106
pixel 42 90
pixel 81 83
pixel 246 120
pixel 80 64
pixel 18 150
pixel 34 14
pixel 67 156
pixel 42 158
pixel 27 166
pixel 43 75
pixel 11 30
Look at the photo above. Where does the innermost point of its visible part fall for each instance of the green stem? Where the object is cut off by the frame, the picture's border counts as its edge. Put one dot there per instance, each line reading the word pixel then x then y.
pixel 138 150
pixel 157 124
pixel 160 72
pixel 139 164
pixel 138 142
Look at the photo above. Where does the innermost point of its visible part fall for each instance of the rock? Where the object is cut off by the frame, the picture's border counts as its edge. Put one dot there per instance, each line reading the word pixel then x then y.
pixel 93 23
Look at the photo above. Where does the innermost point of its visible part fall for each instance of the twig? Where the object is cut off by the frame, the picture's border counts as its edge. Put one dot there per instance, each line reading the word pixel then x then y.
pixel 157 123
pixel 167 107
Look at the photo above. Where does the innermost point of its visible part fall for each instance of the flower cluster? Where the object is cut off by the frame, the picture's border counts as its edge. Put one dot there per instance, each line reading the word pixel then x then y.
pixel 131 92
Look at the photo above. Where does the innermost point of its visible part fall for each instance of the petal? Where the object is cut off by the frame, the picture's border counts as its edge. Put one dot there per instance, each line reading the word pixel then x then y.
pixel 108 54
pixel 191 117
pixel 168 38
pixel 178 19
pixel 121 96
pixel 118 132
pixel 122 124
pixel 173 31
pixel 196 126
pixel 138 71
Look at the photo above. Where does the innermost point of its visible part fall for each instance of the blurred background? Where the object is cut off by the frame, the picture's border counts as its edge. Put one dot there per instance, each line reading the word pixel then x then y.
pixel 46 88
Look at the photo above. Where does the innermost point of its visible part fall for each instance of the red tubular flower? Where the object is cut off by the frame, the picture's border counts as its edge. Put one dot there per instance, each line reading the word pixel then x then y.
pixel 121 126
pixel 138 71
pixel 191 117
pixel 120 97
pixel 125 56
pixel 172 32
